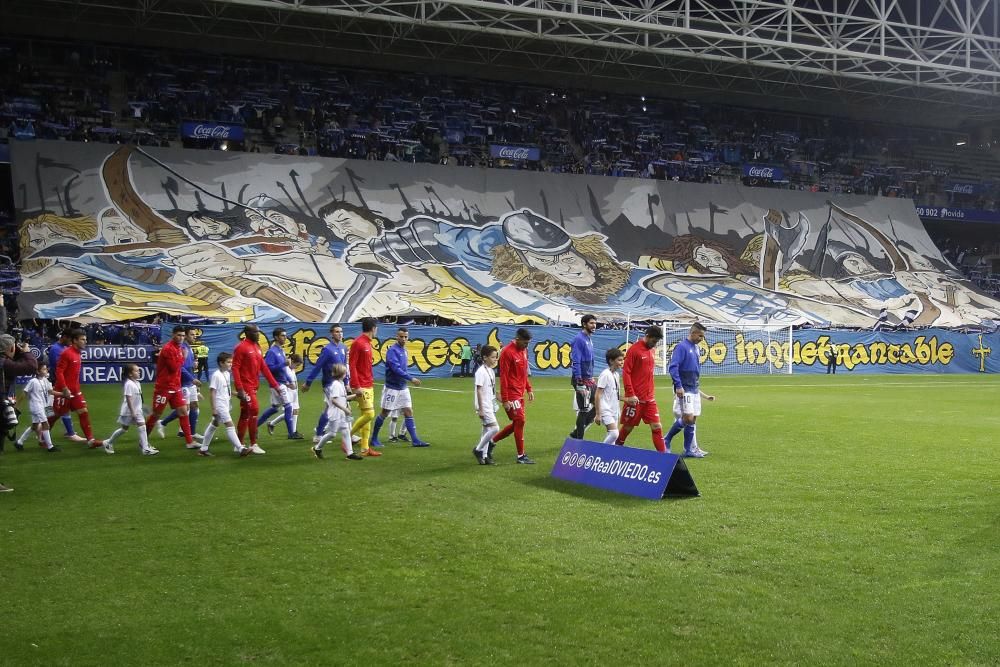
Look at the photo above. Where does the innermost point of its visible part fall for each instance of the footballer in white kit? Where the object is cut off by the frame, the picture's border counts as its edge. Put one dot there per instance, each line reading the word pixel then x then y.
pixel 484 400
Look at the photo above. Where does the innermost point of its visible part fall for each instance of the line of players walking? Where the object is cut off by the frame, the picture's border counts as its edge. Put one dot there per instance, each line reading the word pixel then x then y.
pixel 346 375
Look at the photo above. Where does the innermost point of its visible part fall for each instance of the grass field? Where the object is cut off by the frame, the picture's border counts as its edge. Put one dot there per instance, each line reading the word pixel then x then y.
pixel 843 520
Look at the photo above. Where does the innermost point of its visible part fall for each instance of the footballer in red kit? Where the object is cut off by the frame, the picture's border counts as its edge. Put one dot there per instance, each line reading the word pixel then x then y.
pixel 640 389
pixel 515 387
pixel 167 388
pixel 248 366
pixel 69 395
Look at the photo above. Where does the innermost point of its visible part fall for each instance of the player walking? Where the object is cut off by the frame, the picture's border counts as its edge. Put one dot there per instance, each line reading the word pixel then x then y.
pixel 581 355
pixel 277 363
pixel 248 365
pixel 360 361
pixel 486 405
pixel 396 395
pixel 608 397
pixel 189 387
pixel 167 387
pixel 131 413
pixel 515 387
pixel 221 393
pixel 335 352
pixel 67 385
pixel 685 371
pixel 55 350
pixel 640 390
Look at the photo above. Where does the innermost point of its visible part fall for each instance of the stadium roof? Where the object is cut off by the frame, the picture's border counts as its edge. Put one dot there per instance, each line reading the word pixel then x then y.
pixel 925 62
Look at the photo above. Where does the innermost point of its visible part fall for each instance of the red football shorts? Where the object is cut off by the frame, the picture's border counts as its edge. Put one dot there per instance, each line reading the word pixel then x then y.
pixel 645 411
pixel 517 412
pixel 163 398
pixel 61 406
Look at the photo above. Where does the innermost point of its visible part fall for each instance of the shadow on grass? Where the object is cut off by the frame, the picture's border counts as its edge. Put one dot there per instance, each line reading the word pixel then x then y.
pixel 590 493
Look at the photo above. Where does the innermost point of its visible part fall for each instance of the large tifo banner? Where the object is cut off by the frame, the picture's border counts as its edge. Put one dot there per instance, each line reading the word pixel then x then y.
pixel 112 233
pixel 436 351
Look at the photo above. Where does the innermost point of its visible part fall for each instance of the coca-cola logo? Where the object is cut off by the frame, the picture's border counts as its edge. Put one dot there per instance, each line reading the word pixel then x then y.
pixel 761 172
pixel 210 131
pixel 514 153
pixel 964 188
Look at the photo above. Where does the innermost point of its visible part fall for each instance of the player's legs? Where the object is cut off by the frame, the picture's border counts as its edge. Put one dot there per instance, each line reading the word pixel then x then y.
pixel 650 414
pixel 490 429
pixel 610 422
pixel 366 401
pixel 584 410
pixel 389 404
pixel 629 420
pixel 179 403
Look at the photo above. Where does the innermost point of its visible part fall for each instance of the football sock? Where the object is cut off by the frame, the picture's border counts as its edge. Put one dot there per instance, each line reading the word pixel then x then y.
pixel 394 426
pixel 487 436
pixel 295 421
pixel 688 436
pixel 68 423
pixel 143 437
pixel 519 436
pixel 88 432
pixel 582 420
pixel 21 439
pixel 657 434
pixel 324 419
pixel 169 418
pixel 252 427
pixel 611 437
pixel 233 438
pixel 345 442
pixel 193 418
pixel 288 419
pixel 114 436
pixel 675 428
pixel 46 437
pixel 186 428
pixel 206 438
pixel 411 428
pixel 270 412
pixel 363 427
pixel 377 426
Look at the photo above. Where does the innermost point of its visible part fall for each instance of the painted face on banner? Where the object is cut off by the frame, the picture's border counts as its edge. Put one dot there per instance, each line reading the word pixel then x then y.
pixel 116 229
pixel 350 226
pixel 856 265
pixel 44 235
pixel 207 227
pixel 711 259
pixel 568 267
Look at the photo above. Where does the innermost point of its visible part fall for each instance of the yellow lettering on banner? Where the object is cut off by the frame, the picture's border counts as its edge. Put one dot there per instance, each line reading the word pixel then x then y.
pixel 547 355
pixel 564 355
pixel 879 352
pixel 777 354
pixel 893 353
pixel 946 353
pixel 718 352
pixel 494 339
pixel 437 352
pixel 807 354
pixel 379 348
pixel 741 353
pixel 754 351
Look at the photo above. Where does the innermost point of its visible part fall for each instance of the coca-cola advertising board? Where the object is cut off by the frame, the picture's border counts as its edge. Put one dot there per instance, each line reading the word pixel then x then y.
pixel 764 172
pixel 509 152
pixel 211 130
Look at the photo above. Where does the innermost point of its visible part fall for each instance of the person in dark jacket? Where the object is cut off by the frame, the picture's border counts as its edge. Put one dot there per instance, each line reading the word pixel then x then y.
pixel 15 359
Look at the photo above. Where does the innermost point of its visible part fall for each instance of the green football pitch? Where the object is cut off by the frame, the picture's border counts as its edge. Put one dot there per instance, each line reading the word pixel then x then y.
pixel 843 520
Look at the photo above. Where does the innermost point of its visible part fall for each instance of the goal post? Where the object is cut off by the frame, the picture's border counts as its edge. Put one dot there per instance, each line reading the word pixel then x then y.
pixel 734 349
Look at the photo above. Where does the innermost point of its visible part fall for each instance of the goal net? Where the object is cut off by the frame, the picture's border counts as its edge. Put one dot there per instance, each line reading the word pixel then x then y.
pixel 734 349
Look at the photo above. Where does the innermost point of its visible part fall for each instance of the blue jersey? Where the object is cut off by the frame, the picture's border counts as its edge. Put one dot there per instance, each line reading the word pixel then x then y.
pixel 54 351
pixel 187 368
pixel 581 354
pixel 685 366
pixel 277 364
pixel 396 375
pixel 333 353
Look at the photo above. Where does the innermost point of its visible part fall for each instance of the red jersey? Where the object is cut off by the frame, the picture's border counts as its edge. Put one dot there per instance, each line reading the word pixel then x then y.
pixel 359 361
pixel 248 364
pixel 514 380
pixel 637 371
pixel 168 368
pixel 68 370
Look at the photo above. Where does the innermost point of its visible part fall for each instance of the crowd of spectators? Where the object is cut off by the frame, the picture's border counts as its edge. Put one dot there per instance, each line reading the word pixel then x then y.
pixel 92 93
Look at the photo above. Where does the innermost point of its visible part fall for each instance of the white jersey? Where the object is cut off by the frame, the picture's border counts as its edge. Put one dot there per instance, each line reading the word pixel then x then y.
pixel 608 384
pixel 131 400
pixel 337 393
pixel 220 382
pixel 39 393
pixel 485 377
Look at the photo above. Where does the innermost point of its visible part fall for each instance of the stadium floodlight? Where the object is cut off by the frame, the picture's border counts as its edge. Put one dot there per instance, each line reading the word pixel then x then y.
pixel 734 349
